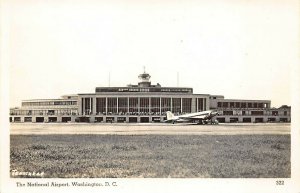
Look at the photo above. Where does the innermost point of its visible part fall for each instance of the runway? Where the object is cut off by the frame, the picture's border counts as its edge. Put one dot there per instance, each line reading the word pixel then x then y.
pixel 149 129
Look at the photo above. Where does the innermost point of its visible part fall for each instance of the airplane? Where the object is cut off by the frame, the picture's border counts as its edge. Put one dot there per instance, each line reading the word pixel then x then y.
pixel 203 117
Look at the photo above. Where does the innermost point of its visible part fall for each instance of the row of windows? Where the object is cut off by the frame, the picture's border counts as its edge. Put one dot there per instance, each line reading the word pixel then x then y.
pixel 145 119
pixel 74 112
pixel 177 90
pixel 274 113
pixel 142 104
pixel 45 112
pixel 242 105
pixel 49 103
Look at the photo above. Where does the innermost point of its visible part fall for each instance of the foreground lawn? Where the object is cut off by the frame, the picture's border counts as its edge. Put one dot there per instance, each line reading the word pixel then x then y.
pixel 158 156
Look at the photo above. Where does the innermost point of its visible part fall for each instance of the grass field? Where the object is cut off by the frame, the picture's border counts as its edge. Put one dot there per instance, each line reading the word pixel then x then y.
pixel 155 156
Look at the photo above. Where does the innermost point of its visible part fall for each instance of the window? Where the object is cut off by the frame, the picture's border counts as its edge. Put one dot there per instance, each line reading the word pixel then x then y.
pixel 155 105
pixel 243 105
pixel 27 119
pixel 133 105
pixel 225 104
pixel 165 104
pixel 88 105
pixel 144 105
pixel 200 104
pixel 186 105
pixel 111 105
pixel 227 112
pixel 176 105
pixel 257 113
pixel 122 105
pixel 100 105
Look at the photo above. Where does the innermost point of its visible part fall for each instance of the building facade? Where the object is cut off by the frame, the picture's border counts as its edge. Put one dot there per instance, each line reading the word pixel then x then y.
pixel 144 103
pixel 248 111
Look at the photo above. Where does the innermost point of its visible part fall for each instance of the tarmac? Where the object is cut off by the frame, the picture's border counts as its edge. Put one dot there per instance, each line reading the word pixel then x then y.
pixel 149 129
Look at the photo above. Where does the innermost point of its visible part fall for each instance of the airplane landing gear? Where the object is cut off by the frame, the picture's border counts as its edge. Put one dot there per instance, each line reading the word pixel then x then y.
pixel 200 122
pixel 215 122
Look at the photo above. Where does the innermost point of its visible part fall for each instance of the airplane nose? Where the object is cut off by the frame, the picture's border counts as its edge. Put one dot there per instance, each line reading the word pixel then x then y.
pixel 214 113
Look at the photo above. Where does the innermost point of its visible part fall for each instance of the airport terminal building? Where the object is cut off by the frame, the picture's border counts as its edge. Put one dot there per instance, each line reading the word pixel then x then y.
pixel 144 103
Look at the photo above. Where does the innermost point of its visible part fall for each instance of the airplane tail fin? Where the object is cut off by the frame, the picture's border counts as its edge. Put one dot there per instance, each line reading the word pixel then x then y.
pixel 170 115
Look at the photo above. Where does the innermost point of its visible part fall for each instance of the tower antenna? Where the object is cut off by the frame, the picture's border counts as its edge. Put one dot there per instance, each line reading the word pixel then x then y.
pixel 109 79
pixel 177 79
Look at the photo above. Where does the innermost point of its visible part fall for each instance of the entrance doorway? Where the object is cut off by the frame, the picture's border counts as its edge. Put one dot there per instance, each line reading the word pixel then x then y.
pixel 52 119
pixel 65 119
pixel 39 119
pixel 144 119
pixel 132 119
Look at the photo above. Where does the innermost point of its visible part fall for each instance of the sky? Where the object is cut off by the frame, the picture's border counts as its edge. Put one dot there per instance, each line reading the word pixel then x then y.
pixel 239 49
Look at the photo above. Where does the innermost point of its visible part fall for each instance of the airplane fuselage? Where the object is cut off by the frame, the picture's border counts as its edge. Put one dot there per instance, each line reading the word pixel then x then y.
pixel 200 117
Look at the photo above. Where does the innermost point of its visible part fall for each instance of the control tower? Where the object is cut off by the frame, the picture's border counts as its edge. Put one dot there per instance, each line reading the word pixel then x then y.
pixel 144 79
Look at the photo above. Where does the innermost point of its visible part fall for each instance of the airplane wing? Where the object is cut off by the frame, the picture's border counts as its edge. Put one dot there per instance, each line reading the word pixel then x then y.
pixel 198 117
